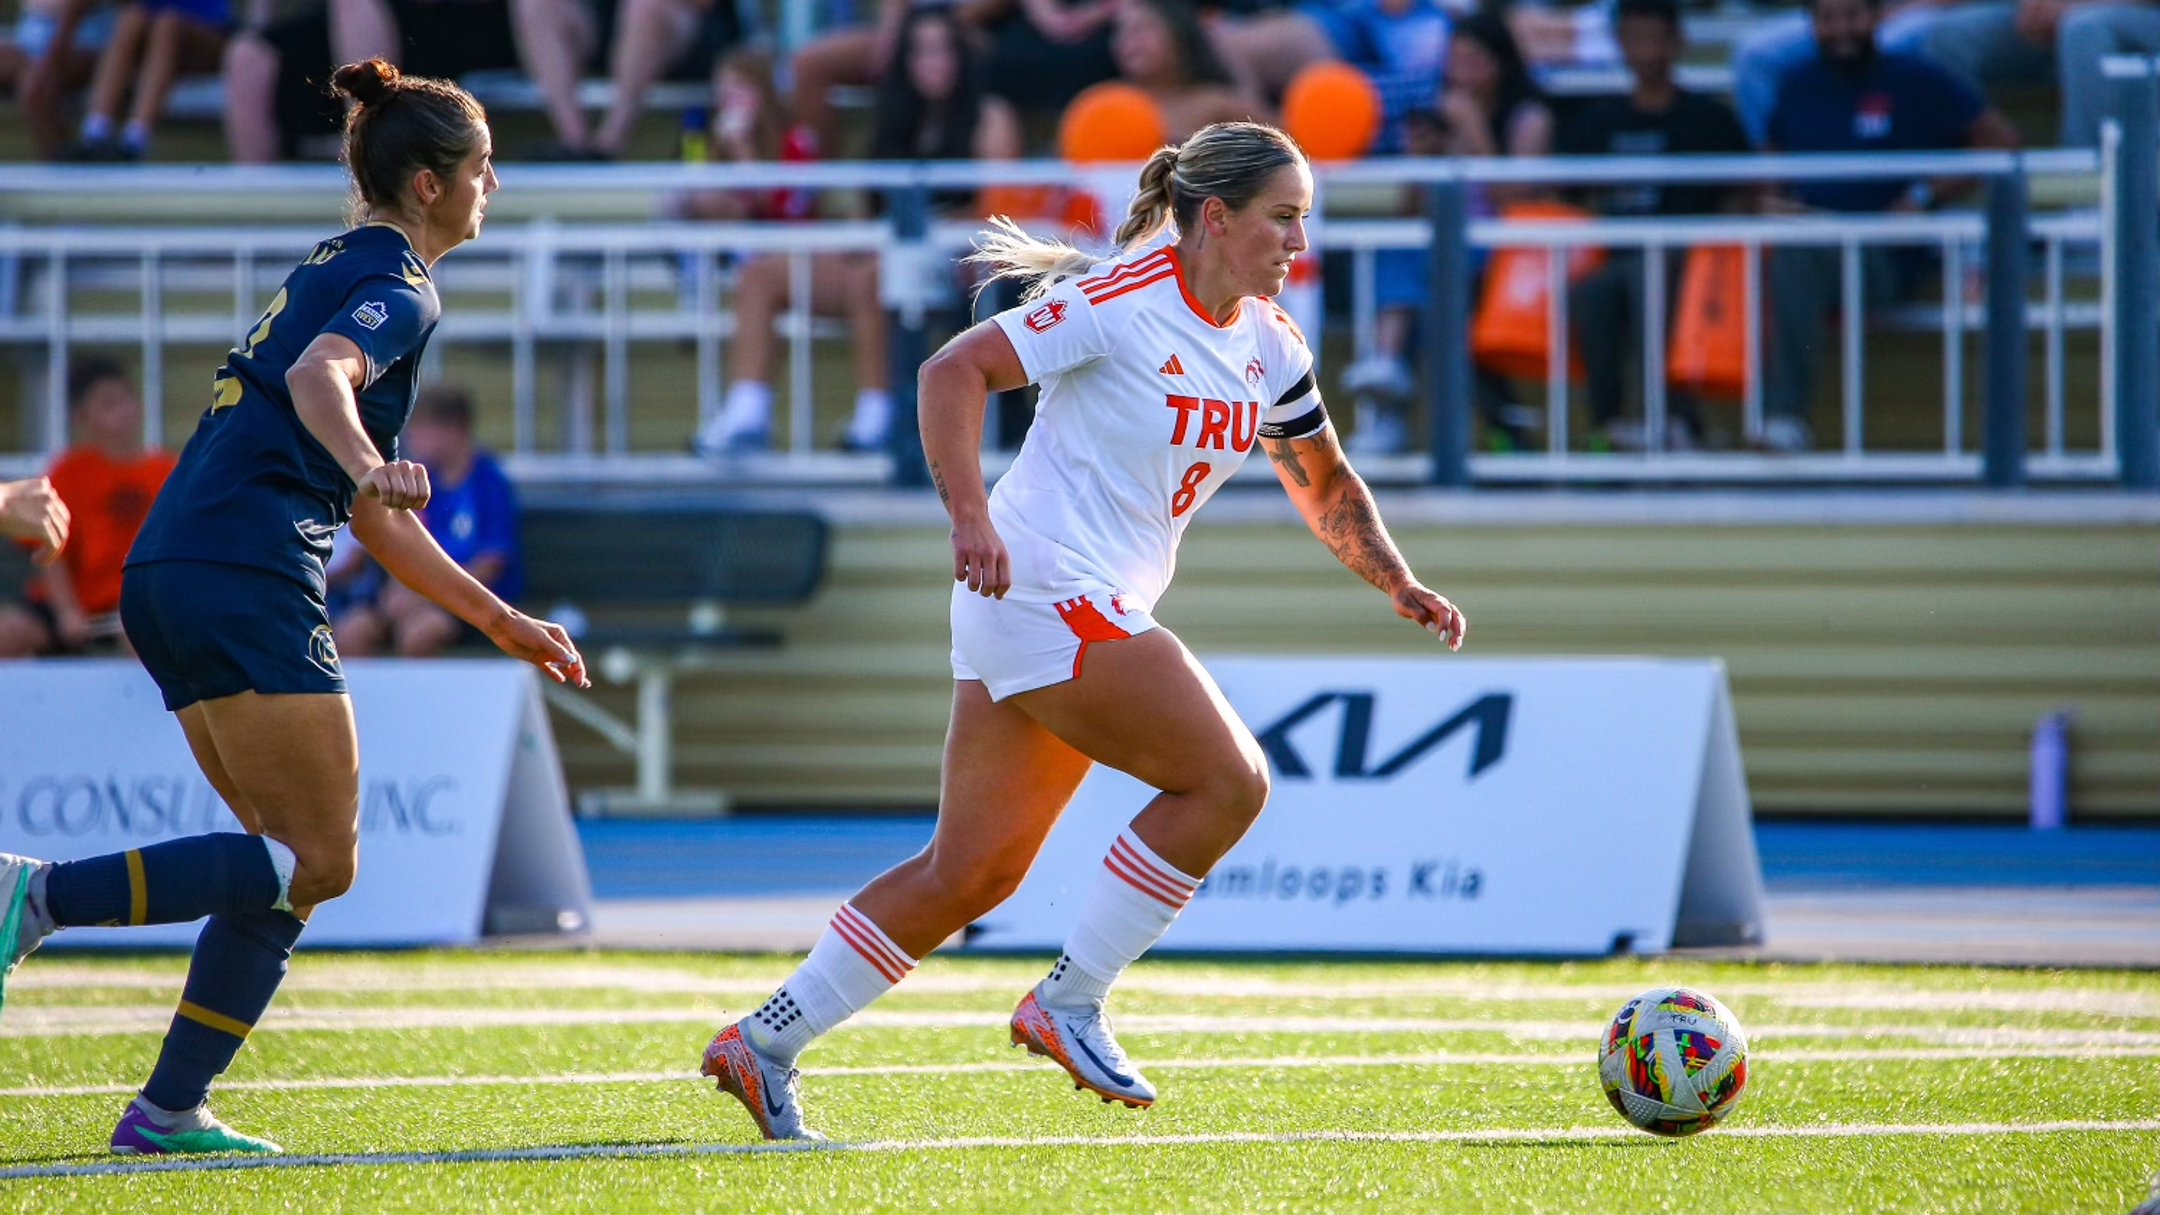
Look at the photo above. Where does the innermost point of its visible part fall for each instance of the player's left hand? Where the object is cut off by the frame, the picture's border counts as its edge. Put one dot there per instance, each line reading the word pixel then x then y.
pixel 1431 609
pixel 544 644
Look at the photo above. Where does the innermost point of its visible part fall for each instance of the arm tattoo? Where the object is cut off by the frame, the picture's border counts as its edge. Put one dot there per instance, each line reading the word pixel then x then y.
pixel 1285 453
pixel 937 478
pixel 1350 526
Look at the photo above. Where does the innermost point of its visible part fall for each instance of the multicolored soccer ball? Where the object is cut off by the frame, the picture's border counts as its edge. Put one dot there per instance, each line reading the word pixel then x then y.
pixel 1673 1061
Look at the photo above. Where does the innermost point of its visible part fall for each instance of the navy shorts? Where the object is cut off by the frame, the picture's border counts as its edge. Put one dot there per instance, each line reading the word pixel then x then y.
pixel 205 629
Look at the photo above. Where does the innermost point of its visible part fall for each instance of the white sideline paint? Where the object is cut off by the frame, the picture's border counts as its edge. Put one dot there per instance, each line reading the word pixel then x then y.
pixel 97 1020
pixel 605 1151
pixel 1277 1063
pixel 62 975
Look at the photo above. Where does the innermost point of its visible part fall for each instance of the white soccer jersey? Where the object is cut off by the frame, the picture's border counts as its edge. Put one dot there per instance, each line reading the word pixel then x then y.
pixel 1147 407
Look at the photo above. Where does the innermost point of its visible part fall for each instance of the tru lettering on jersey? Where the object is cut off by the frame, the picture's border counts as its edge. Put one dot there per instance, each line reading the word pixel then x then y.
pixel 1224 425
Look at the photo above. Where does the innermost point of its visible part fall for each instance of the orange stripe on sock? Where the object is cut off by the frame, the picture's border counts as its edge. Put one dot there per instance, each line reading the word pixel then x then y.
pixel 856 941
pixel 1162 873
pixel 1145 886
pixel 876 963
pixel 877 938
pixel 215 1020
pixel 138 889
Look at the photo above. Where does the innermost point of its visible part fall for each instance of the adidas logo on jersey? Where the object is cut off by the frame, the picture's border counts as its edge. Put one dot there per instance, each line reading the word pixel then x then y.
pixel 1173 367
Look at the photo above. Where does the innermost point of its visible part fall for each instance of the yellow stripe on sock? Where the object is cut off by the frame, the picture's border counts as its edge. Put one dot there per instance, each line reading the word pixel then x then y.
pixel 138 889
pixel 215 1020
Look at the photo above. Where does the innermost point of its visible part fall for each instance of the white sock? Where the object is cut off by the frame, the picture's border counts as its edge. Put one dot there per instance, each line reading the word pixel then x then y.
pixel 1136 897
pixel 747 409
pixel 851 965
pixel 96 128
pixel 284 862
pixel 873 416
pixel 41 921
pixel 175 1120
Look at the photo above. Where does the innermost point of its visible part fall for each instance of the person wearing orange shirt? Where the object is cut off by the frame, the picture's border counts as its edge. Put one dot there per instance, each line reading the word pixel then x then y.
pixel 107 481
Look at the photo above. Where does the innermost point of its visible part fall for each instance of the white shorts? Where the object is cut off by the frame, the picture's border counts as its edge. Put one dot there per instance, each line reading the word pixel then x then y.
pixel 1018 647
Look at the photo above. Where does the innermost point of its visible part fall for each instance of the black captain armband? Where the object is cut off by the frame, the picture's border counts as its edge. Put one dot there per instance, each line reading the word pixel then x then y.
pixel 1304 425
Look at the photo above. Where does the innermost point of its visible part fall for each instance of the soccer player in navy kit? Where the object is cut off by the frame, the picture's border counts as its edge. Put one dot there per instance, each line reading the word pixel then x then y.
pixel 223 598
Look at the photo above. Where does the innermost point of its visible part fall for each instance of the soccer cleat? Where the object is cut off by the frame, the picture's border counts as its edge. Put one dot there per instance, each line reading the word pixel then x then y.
pixel 770 1092
pixel 22 928
pixel 137 1135
pixel 1082 1044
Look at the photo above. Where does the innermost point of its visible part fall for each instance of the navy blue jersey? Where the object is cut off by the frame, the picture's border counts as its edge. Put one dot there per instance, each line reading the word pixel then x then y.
pixel 253 487
pixel 1899 103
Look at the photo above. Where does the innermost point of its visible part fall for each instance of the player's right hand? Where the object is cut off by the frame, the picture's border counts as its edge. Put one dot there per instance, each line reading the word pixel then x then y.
pixel 400 485
pixel 979 559
pixel 30 509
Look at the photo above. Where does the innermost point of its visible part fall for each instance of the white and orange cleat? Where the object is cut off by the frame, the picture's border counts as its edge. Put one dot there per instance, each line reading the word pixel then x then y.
pixel 769 1091
pixel 1081 1043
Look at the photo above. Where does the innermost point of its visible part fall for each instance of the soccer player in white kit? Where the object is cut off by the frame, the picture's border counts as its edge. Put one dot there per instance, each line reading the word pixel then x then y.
pixel 1160 372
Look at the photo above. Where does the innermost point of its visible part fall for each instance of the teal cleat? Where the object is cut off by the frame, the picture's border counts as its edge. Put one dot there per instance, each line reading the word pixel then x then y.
pixel 22 929
pixel 137 1135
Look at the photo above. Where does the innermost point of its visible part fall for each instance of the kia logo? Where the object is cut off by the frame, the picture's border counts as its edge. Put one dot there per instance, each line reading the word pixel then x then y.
pixel 1487 715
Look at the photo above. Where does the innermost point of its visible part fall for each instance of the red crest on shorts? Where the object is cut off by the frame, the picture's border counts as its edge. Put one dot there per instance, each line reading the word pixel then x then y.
pixel 1254 372
pixel 1051 312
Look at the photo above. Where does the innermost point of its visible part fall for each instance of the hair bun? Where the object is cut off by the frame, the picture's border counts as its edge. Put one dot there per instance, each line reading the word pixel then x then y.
pixel 366 83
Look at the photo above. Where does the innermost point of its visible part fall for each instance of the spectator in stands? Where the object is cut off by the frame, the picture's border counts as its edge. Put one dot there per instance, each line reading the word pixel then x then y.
pixel 472 514
pixel 107 480
pixel 751 126
pixel 277 101
pixel 1762 59
pixel 931 106
pixel 851 55
pixel 1488 106
pixel 1854 98
pixel 1160 46
pixel 278 104
pixel 153 43
pixel 1401 44
pixel 1656 118
pixel 52 52
pixel 1991 43
pixel 559 39
pixel 1043 52
pixel 1264 45
pixel 30 510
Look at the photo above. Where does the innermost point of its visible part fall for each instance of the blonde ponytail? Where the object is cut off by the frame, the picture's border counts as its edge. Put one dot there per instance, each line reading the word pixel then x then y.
pixel 1227 160
pixel 1011 251
pixel 1150 209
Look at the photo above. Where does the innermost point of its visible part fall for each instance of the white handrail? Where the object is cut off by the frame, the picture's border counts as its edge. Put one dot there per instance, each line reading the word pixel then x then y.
pixel 663 176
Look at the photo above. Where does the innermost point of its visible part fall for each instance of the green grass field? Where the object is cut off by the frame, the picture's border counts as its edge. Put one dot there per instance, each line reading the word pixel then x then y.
pixel 563 1081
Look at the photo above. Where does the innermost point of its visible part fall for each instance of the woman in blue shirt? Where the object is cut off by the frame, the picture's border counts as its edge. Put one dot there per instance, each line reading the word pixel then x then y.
pixel 223 598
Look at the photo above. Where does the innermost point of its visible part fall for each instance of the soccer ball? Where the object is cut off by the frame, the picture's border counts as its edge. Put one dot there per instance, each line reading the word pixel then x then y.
pixel 1673 1061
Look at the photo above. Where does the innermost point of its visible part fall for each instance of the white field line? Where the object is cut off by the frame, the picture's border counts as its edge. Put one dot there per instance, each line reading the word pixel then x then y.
pixel 654 980
pixel 101 1020
pixel 647 1151
pixel 1276 1063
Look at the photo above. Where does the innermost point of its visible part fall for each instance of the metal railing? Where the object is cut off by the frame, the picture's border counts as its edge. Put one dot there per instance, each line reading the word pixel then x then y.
pixel 588 291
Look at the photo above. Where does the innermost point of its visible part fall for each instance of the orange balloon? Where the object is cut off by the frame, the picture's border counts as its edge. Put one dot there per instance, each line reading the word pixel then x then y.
pixel 1111 123
pixel 1333 111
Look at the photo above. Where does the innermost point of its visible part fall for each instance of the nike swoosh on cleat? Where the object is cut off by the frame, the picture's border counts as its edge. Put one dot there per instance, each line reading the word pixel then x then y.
pixel 1082 1044
pixel 770 1107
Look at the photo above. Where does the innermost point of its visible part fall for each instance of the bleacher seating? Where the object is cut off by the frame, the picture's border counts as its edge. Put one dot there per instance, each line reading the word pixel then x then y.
pixel 645 582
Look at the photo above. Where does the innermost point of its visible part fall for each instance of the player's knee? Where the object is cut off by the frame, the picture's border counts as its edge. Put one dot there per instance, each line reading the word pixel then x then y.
pixel 324 874
pixel 1242 785
pixel 980 883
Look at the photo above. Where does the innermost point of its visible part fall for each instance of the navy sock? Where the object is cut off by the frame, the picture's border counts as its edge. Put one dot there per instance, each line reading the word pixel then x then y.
pixel 239 962
pixel 169 883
